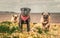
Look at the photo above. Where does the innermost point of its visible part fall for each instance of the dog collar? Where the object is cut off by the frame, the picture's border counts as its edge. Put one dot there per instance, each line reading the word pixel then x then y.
pixel 24 18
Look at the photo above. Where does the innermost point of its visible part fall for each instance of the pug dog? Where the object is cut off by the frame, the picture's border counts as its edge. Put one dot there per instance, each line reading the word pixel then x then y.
pixel 24 18
pixel 14 18
pixel 46 20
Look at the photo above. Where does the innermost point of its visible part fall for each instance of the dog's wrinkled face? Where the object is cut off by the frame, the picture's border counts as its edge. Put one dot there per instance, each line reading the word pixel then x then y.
pixel 15 17
pixel 45 15
pixel 25 11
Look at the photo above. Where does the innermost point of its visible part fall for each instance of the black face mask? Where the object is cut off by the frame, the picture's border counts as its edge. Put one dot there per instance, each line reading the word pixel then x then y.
pixel 45 16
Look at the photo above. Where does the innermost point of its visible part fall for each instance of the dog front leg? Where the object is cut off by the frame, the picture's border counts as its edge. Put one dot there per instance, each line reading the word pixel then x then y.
pixel 21 27
pixel 47 26
pixel 28 25
pixel 20 24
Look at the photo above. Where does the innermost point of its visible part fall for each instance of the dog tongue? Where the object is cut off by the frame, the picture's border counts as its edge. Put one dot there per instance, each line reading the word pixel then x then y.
pixel 24 18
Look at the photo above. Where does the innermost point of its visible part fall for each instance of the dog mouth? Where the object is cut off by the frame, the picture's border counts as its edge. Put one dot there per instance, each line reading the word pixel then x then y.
pixel 45 16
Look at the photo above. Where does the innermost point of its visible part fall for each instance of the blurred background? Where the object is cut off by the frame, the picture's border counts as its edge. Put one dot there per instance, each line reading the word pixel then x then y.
pixel 35 17
pixel 11 7
pixel 36 6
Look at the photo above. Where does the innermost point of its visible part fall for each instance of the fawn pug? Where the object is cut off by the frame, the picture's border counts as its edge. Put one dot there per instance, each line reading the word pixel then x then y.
pixel 14 18
pixel 46 20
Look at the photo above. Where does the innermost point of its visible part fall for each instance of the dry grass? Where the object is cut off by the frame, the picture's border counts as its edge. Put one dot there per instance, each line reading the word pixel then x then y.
pixel 54 32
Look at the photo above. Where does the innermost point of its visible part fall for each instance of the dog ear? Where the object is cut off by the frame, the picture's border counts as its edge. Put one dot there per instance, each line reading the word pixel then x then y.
pixel 29 9
pixel 42 13
pixel 13 15
pixel 49 13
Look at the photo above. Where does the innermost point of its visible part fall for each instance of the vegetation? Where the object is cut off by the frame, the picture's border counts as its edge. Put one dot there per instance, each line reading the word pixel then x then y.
pixel 11 30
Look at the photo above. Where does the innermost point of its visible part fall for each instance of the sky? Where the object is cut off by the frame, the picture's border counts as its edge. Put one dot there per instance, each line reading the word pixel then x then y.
pixel 36 6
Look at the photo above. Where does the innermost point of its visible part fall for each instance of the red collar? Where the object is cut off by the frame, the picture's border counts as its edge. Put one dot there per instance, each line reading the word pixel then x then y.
pixel 24 18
